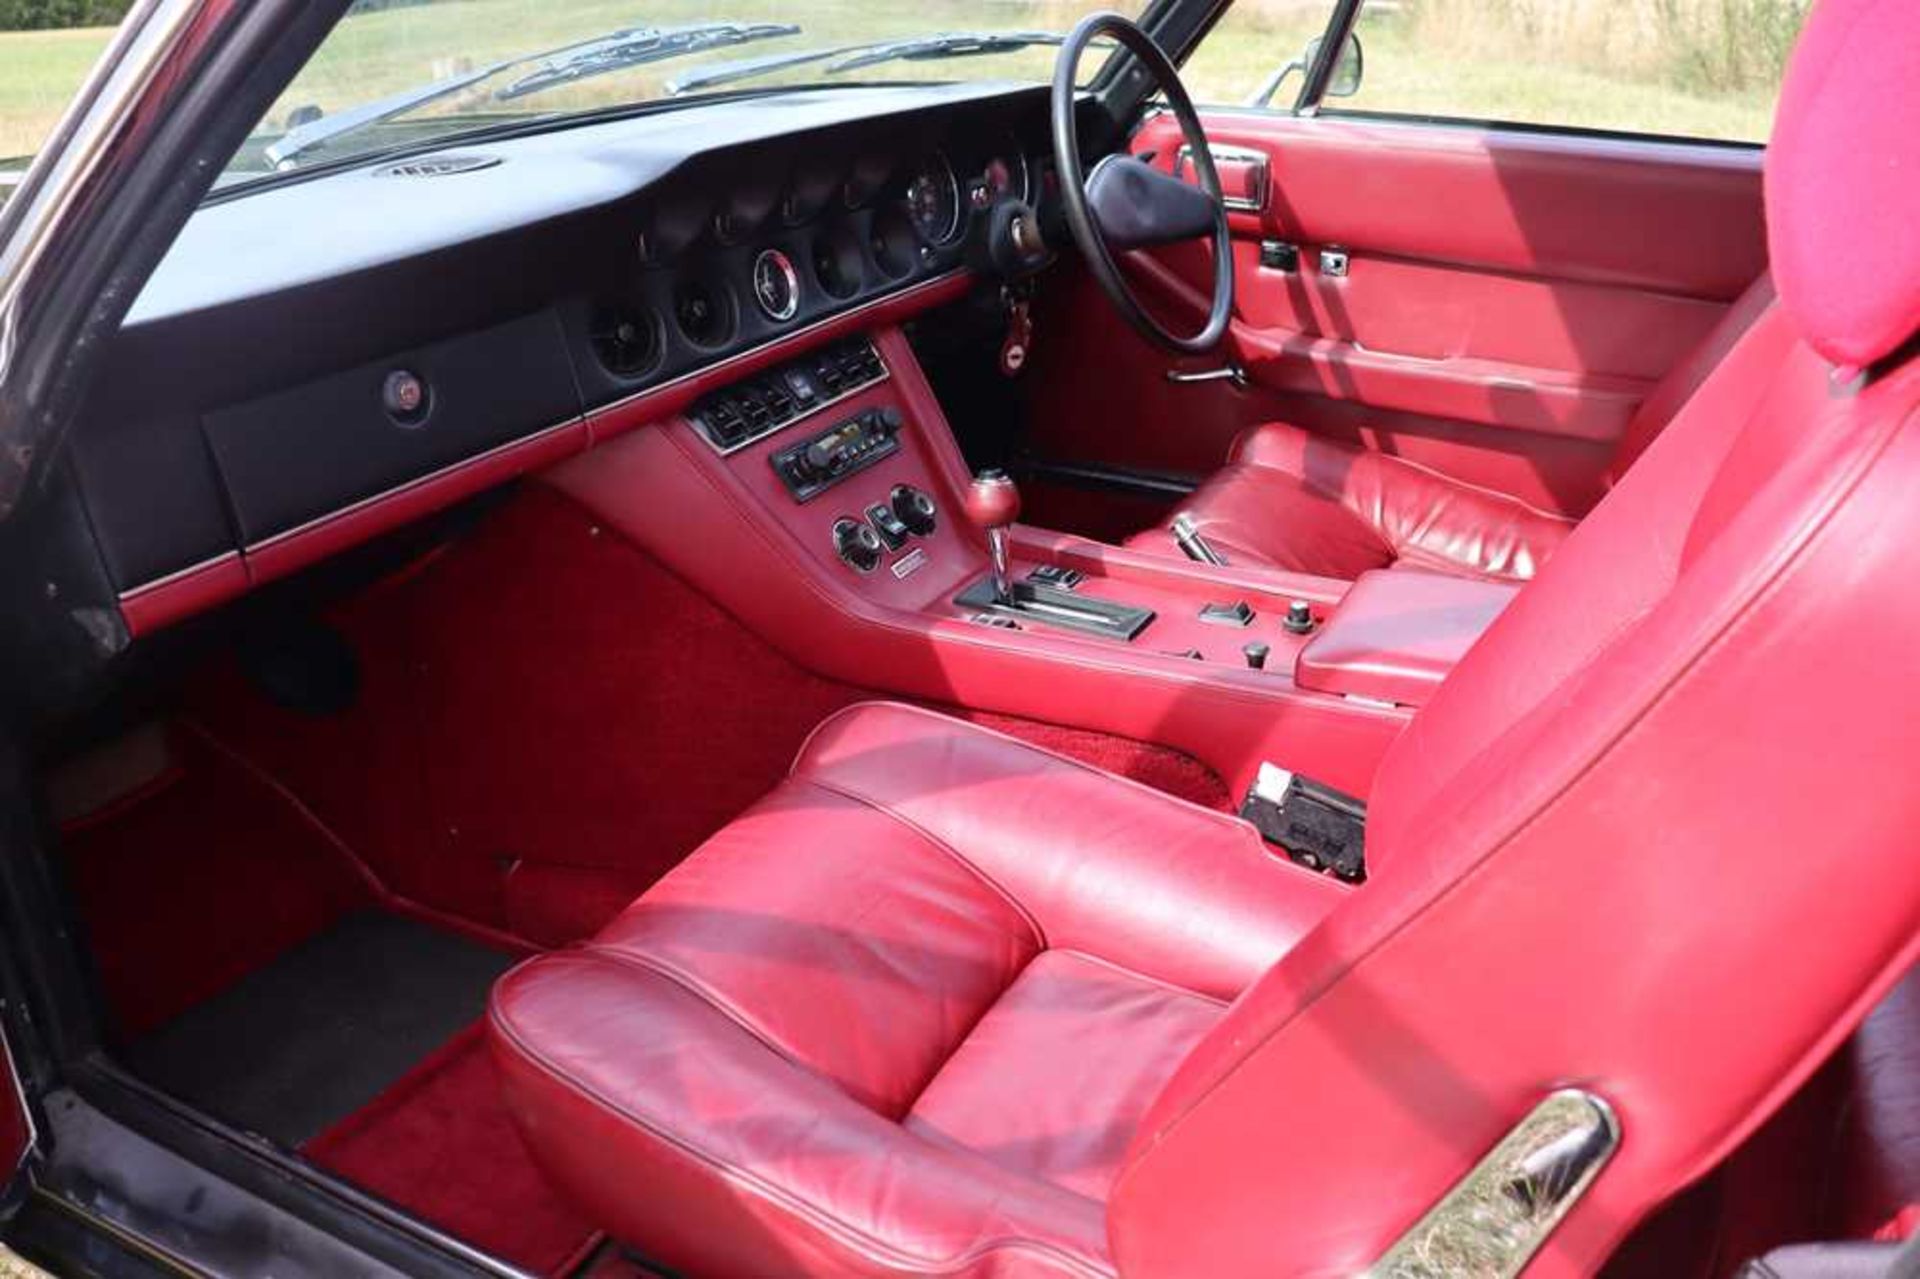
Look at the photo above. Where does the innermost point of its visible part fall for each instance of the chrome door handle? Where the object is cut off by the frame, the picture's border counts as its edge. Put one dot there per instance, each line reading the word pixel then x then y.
pixel 1231 373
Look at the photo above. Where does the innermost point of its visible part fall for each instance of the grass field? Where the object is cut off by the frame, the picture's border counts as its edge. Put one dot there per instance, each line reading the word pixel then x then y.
pixel 1695 67
pixel 39 71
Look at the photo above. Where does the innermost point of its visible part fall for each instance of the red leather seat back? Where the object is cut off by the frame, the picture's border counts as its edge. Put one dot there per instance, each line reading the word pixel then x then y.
pixel 1678 385
pixel 1655 835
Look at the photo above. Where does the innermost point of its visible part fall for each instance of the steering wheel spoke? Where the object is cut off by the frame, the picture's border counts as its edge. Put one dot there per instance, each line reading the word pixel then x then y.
pixel 1125 204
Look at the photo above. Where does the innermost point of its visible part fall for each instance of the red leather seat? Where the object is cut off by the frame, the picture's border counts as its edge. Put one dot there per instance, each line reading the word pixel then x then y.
pixel 946 1004
pixel 1290 499
pixel 905 1014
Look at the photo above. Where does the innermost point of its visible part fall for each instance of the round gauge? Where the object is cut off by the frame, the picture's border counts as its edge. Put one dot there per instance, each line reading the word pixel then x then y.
pixel 1006 177
pixel 933 200
pixel 776 285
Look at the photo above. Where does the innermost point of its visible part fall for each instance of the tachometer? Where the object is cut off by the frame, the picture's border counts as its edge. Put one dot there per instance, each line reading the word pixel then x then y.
pixel 933 200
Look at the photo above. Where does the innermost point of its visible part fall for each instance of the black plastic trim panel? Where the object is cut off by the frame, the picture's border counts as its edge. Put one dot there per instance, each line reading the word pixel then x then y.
pixel 294 456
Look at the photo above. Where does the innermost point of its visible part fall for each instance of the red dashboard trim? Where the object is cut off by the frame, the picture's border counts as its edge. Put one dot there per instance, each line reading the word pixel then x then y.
pixel 178 596
pixel 296 548
pixel 154 605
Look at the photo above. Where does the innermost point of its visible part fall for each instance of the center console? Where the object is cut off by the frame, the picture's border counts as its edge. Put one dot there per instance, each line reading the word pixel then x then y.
pixel 824 502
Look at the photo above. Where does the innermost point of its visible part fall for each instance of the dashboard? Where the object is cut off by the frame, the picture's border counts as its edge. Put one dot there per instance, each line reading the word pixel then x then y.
pixel 325 342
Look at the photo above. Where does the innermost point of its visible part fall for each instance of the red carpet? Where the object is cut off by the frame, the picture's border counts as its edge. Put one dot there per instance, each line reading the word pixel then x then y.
pixel 198 882
pixel 550 720
pixel 1160 767
pixel 440 1144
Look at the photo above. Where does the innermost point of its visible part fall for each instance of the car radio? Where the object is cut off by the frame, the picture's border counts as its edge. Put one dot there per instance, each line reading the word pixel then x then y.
pixel 816 465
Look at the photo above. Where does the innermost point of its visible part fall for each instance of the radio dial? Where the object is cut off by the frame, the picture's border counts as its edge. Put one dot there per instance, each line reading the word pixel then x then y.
pixel 819 456
pixel 913 508
pixel 855 542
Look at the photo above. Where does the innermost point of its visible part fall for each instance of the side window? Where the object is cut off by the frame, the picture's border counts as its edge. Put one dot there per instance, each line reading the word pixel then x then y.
pixel 1256 53
pixel 1680 68
pixel 46 50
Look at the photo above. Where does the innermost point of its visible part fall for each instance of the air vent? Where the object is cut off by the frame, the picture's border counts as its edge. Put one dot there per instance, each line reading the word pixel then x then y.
pixel 625 339
pixel 836 263
pixel 704 312
pixel 438 166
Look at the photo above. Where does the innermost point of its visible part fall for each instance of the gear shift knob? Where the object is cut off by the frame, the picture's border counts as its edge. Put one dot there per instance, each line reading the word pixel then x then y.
pixel 993 504
pixel 993 500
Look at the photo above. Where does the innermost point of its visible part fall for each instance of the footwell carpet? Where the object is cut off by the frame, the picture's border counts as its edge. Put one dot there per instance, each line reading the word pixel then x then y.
pixel 440 1143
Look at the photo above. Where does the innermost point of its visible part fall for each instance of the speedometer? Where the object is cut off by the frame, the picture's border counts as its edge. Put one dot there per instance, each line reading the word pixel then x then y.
pixel 933 200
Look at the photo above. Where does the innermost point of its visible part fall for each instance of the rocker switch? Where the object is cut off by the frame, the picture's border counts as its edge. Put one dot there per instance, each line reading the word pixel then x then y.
pixel 1238 613
pixel 892 529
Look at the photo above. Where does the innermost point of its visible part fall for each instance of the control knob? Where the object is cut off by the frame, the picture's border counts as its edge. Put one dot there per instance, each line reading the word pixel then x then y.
pixel 913 508
pixel 819 456
pixel 855 542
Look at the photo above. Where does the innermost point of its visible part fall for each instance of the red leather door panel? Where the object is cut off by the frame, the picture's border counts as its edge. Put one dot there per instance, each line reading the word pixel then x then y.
pixel 1510 298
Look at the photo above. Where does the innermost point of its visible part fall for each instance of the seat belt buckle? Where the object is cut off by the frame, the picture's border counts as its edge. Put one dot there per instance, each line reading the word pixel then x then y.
pixel 1316 826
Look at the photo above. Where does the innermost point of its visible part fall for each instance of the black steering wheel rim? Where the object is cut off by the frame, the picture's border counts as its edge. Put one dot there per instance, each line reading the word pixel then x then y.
pixel 1073 186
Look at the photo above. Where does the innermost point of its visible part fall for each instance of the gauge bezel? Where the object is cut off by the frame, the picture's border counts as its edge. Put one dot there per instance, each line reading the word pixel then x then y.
pixel 937 162
pixel 1015 159
pixel 784 264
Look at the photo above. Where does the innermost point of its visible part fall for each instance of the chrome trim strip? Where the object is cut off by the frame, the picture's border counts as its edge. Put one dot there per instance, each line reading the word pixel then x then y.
pixel 700 428
pixel 19 1099
pixel 1496 1217
pixel 168 579
pixel 718 366
pixel 417 481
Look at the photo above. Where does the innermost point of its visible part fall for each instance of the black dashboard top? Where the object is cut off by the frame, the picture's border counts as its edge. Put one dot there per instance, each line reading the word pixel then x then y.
pixel 282 237
pixel 524 281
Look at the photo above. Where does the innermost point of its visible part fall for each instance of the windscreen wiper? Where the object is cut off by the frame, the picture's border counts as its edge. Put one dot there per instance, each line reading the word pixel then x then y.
pixel 568 64
pixel 853 57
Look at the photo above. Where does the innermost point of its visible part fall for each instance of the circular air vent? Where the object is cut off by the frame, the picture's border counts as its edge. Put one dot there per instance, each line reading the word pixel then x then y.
pixel 704 312
pixel 625 339
pixel 437 166
pixel 836 262
pixel 893 244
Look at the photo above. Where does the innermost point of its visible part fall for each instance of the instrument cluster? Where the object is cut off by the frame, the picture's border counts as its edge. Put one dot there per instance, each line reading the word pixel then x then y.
pixel 720 261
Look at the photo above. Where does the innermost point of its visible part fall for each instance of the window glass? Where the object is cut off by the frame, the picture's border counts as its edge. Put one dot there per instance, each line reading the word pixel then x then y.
pixel 1248 49
pixel 1684 68
pixel 475 63
pixel 45 52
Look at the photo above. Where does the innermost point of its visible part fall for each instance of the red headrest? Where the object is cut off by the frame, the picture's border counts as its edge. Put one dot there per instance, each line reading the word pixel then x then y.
pixel 1843 180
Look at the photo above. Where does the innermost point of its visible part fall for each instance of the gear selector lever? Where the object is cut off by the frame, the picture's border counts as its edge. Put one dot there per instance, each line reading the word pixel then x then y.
pixel 993 504
pixel 1046 597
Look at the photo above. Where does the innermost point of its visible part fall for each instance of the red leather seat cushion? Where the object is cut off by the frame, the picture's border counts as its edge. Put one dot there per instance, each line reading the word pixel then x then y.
pixel 1105 1041
pixel 1292 500
pixel 905 1012
pixel 1296 501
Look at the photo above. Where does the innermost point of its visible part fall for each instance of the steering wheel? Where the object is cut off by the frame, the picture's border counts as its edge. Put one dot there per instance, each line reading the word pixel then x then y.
pixel 1126 204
